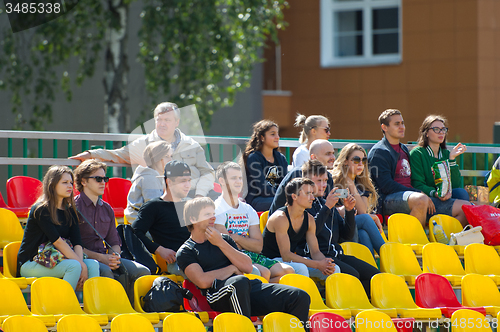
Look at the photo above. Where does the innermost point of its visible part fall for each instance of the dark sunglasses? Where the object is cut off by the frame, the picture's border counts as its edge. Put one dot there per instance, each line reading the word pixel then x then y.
pixel 439 130
pixel 99 178
pixel 327 129
pixel 357 160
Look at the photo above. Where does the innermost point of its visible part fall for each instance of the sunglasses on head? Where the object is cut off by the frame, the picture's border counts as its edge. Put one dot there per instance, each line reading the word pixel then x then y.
pixel 357 160
pixel 99 178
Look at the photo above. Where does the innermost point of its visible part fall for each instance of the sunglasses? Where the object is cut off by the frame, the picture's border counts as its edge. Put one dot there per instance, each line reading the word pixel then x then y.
pixel 99 178
pixel 327 129
pixel 439 130
pixel 357 160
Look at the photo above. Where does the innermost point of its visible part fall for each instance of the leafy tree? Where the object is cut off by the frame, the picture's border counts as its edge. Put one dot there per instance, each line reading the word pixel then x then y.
pixel 193 52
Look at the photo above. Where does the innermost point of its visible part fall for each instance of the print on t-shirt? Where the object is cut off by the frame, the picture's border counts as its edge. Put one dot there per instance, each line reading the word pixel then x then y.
pixel 237 223
pixel 403 170
pixel 272 176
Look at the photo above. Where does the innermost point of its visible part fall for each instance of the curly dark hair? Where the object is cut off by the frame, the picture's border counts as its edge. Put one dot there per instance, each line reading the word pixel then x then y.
pixel 255 142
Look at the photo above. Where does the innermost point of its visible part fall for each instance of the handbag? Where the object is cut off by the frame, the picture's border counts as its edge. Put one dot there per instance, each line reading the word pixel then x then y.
pixel 488 217
pixel 467 236
pixel 48 255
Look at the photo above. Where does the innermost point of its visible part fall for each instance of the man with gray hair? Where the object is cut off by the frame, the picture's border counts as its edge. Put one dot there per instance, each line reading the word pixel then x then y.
pixel 184 148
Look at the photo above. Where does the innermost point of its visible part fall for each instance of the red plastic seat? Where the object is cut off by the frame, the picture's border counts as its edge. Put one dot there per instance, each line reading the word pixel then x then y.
pixel 20 212
pixel 435 291
pixel 199 302
pixel 116 193
pixel 328 322
pixel 22 193
pixel 217 188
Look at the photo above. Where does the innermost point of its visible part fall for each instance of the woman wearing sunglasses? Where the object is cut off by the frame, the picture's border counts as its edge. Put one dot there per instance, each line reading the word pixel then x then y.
pixel 431 148
pixel 351 171
pixel 313 127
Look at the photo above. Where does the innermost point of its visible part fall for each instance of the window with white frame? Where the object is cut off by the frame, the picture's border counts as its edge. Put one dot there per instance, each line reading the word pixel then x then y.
pixel 360 32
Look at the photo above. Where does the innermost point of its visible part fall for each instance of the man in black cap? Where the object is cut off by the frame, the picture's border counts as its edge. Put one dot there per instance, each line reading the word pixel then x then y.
pixel 163 217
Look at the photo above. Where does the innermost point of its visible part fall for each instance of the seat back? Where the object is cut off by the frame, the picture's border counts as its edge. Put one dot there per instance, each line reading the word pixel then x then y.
pixel 434 291
pixel 15 305
pixel 23 324
pixel 482 259
pixel 479 291
pixel 449 224
pixel 116 192
pixel 105 296
pixel 344 291
pixel 254 276
pixel 23 191
pixel 228 321
pixel 142 285
pixel 2 202
pixel 281 322
pixel 359 251
pixel 53 296
pixel 131 322
pixel 10 259
pixel 180 322
pixel 263 220
pixel 78 323
pixel 307 285
pixel 465 320
pixel 398 259
pixel 198 302
pixel 441 259
pixel 390 291
pixel 406 229
pixel 336 323
pixel 10 228
pixel 371 320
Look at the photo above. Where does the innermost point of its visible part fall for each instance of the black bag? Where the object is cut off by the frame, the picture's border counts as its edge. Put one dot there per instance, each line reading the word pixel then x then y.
pixel 133 249
pixel 165 295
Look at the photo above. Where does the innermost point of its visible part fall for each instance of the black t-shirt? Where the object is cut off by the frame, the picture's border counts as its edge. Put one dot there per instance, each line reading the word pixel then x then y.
pixel 161 220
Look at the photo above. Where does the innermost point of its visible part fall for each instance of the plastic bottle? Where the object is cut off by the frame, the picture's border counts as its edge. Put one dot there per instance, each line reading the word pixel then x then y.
pixel 439 233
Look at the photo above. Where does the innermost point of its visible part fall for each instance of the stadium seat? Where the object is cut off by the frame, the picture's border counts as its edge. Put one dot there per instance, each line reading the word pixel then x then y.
pixel 254 276
pixel 344 291
pixel 441 259
pixel 14 303
pixel 450 225
pixel 19 212
pixel 115 193
pixel 23 324
pixel 54 296
pixel 308 285
pixel 10 228
pixel 22 192
pixel 78 323
pixel 21 282
pixel 465 320
pixel 131 322
pixel 281 322
pixel 398 259
pixel 107 296
pixel 435 291
pixel 182 322
pixel 408 230
pixel 217 188
pixel 263 220
pixel 480 291
pixel 359 251
pixel 10 263
pixel 199 302
pixel 482 259
pixel 334 323
pixel 390 291
pixel 229 321
pixel 371 320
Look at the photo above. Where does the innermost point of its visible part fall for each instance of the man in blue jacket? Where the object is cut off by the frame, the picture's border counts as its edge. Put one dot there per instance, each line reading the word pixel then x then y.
pixel 391 173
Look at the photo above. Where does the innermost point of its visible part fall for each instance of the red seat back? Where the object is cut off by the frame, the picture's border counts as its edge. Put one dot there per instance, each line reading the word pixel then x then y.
pixel 198 302
pixel 334 323
pixel 2 202
pixel 434 291
pixel 23 191
pixel 116 192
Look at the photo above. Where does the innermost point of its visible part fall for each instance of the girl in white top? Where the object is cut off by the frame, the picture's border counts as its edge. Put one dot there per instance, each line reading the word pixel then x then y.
pixel 313 127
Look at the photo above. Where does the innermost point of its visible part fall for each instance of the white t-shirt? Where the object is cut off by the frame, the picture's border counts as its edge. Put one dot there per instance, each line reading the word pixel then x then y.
pixel 236 221
pixel 300 156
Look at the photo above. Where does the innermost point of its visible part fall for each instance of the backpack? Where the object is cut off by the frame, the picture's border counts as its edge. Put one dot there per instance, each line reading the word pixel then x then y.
pixel 165 295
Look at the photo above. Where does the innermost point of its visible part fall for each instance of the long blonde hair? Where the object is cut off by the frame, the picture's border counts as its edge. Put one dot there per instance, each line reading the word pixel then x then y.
pixel 363 181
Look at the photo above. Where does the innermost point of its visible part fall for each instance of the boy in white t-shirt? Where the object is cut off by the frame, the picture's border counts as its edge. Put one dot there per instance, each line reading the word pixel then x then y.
pixel 241 222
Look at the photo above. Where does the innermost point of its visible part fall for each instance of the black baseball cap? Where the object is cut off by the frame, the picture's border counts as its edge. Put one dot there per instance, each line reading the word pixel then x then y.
pixel 176 168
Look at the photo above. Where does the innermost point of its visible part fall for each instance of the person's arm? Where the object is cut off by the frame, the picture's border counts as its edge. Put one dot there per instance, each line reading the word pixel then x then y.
pixel 454 168
pixel 347 225
pixel 207 173
pixel 361 201
pixel 146 217
pixel 237 258
pixel 325 265
pixel 419 172
pixel 253 242
pixel 204 280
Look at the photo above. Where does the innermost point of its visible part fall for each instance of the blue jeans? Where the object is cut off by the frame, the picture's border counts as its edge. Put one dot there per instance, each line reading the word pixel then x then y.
pixel 298 267
pixel 460 193
pixel 68 269
pixel 368 232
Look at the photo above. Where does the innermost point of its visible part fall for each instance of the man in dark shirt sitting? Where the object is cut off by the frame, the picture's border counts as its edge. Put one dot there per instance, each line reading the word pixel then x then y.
pixel 162 216
pixel 213 263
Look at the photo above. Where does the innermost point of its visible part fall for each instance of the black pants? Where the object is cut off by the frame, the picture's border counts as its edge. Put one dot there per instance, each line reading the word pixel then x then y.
pixel 253 298
pixel 357 268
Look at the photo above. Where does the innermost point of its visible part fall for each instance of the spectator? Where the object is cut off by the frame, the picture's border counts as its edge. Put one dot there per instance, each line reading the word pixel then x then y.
pixel 265 165
pixel 493 182
pixel 53 218
pixel 432 148
pixel 146 181
pixel 390 171
pixel 313 127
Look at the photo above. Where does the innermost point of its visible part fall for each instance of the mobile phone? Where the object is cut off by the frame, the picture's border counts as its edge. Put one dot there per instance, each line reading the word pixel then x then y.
pixel 343 193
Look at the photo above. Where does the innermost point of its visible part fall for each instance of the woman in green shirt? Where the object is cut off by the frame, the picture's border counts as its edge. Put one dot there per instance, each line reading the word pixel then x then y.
pixel 431 148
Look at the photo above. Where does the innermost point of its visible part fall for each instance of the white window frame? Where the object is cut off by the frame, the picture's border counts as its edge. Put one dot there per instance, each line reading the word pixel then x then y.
pixel 327 51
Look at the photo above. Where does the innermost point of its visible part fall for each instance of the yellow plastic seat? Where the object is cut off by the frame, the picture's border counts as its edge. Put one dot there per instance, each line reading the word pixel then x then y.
pixel 441 259
pixel 14 303
pixel 372 320
pixel 10 262
pixel 263 220
pixel 407 229
pixel 465 320
pixel 450 225
pixel 480 291
pixel 21 282
pixel 344 291
pixel 23 324
pixel 254 276
pixel 308 285
pixel 78 323
pixel 396 258
pixel 11 228
pixel 106 296
pixel 54 296
pixel 228 321
pixel 359 251
pixel 182 322
pixel 281 322
pixel 390 291
pixel 482 259
pixel 131 322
